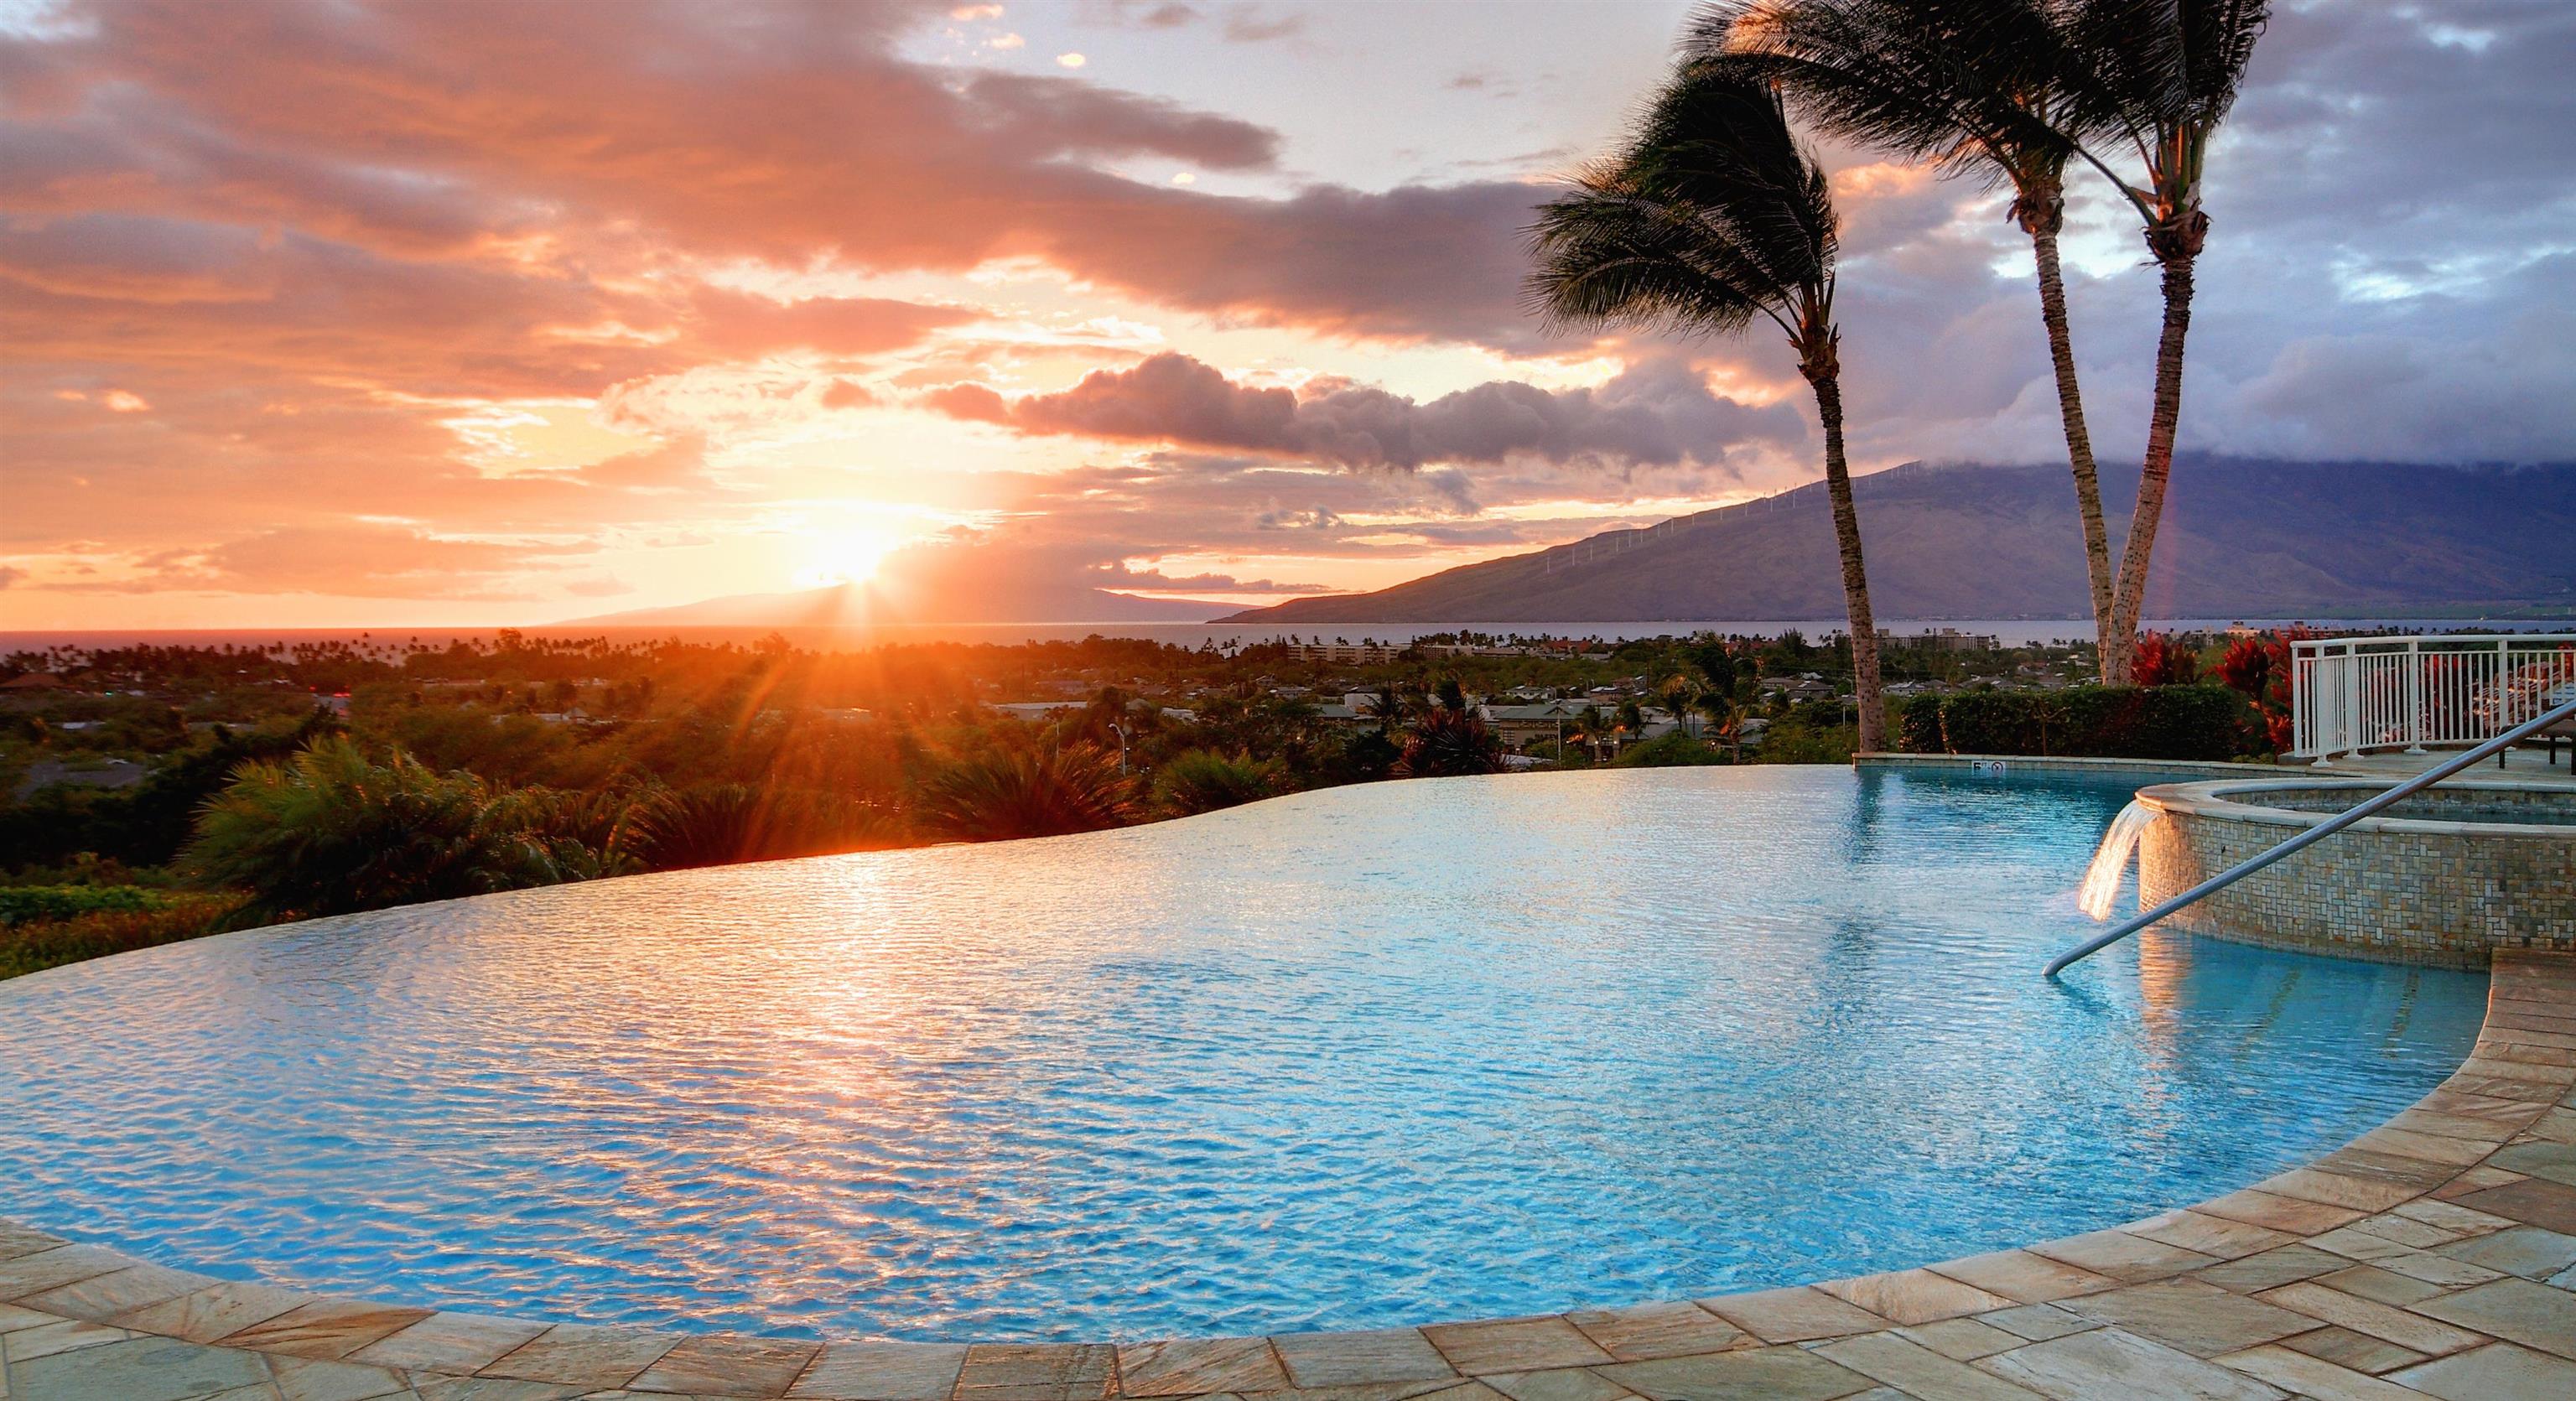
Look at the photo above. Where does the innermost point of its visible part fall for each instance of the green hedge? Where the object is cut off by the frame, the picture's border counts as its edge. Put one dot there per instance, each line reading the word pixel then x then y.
pixel 2109 722
pixel 20 903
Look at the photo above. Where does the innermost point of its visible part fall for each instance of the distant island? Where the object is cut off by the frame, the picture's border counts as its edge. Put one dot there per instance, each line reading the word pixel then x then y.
pixel 2242 538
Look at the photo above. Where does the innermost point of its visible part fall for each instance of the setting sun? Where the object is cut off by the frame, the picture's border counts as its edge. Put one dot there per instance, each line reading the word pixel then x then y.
pixel 844 556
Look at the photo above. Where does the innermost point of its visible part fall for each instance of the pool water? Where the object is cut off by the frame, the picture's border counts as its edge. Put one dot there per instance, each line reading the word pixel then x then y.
pixel 1386 1054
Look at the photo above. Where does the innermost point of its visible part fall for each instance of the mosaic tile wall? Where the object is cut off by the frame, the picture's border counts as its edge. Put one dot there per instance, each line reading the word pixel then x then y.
pixel 2407 897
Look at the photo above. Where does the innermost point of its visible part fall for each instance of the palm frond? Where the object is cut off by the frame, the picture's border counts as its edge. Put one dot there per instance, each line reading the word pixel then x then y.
pixel 1967 84
pixel 1712 215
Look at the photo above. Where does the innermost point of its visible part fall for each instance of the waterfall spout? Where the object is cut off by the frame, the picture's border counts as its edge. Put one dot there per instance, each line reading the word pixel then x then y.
pixel 2102 878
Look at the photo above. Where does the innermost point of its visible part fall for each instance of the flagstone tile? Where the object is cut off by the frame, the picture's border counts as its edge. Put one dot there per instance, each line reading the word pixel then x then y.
pixel 2296 1215
pixel 2107 1362
pixel 2385 1286
pixel 883 1372
pixel 1962 1339
pixel 2452 1217
pixel 1341 1359
pixel 2286 1265
pixel 2201 1319
pixel 2368 1194
pixel 1646 1331
pixel 2433 1122
pixel 2357 1244
pixel 2544 1158
pixel 1915 1296
pixel 1918 1371
pixel 326 1328
pixel 2037 1322
pixel 2459 1152
pixel 215 1312
pixel 1794 1315
pixel 1188 1366
pixel 726 1364
pixel 1038 1372
pixel 1746 1374
pixel 2438 1269
pixel 1514 1345
pixel 2517 1310
pixel 2369 1316
pixel 2122 1256
pixel 449 1342
pixel 62 1335
pixel 17 1240
pixel 2532 1201
pixel 136 1369
pixel 1558 1384
pixel 2022 1276
pixel 2496 1372
pixel 2476 1179
pixel 312 1379
pixel 2307 1376
pixel 23 1275
pixel 2215 1236
pixel 493 1389
pixel 102 1297
pixel 583 1355
pixel 2358 1351
pixel 2406 1230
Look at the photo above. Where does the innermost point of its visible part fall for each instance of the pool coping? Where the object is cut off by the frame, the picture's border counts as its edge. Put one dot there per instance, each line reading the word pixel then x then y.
pixel 2066 763
pixel 2433 1255
pixel 2226 798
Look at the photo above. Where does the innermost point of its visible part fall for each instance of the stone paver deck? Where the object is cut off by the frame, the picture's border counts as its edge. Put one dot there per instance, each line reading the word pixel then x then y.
pixel 2433 1256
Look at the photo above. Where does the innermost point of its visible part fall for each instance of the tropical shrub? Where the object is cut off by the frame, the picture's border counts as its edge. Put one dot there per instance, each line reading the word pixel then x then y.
pixel 22 903
pixel 2125 722
pixel 720 823
pixel 1203 781
pixel 1674 750
pixel 994 797
pixel 2161 661
pixel 2259 670
pixel 1449 741
pixel 329 832
pixel 38 943
pixel 1918 725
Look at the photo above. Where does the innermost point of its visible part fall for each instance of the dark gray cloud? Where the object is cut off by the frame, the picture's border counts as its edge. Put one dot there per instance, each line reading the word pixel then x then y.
pixel 1658 414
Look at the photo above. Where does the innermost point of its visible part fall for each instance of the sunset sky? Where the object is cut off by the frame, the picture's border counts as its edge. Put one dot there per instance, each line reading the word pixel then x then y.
pixel 456 313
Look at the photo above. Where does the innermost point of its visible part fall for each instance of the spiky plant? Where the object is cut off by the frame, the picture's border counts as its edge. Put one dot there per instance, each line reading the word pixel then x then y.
pixel 1712 218
pixel 1448 742
pixel 993 797
pixel 1203 780
pixel 329 831
pixel 1959 84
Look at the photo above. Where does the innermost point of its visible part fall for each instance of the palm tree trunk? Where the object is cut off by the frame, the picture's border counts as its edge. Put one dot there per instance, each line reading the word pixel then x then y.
pixel 1864 629
pixel 2119 662
pixel 2079 442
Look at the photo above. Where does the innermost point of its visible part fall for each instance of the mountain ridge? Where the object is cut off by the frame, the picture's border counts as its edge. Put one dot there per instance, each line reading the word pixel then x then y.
pixel 2241 537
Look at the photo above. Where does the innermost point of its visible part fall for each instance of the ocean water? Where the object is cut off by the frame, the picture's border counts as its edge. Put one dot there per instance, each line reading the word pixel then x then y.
pixel 1375 1055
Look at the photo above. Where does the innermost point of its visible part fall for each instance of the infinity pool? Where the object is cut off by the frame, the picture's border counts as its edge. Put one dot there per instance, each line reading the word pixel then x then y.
pixel 1396 1053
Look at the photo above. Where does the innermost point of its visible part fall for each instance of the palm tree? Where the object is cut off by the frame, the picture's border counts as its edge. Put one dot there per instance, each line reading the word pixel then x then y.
pixel 1927 79
pixel 1712 217
pixel 2161 74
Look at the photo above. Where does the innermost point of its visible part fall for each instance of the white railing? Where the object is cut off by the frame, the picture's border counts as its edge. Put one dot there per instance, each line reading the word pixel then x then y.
pixel 2350 695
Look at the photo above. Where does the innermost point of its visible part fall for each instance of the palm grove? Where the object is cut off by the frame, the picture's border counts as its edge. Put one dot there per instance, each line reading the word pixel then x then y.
pixel 1714 217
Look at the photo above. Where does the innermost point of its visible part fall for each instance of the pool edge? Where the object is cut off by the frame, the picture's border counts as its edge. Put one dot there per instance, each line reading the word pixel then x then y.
pixel 2198 1296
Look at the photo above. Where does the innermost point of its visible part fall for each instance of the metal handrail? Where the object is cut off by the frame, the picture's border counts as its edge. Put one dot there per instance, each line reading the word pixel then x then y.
pixel 2375 803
